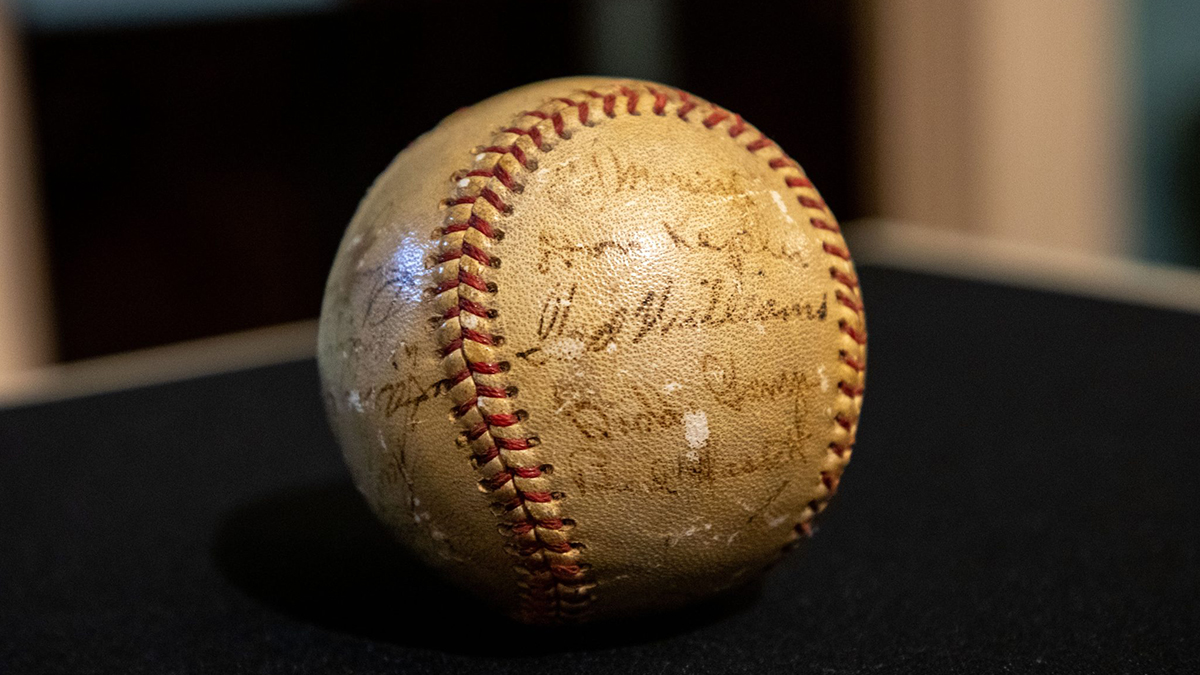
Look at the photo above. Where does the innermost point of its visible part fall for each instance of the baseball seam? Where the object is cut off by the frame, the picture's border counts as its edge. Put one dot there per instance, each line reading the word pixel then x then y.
pixel 554 583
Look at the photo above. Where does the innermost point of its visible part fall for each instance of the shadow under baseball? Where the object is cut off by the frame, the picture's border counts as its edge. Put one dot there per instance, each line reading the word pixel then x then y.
pixel 319 555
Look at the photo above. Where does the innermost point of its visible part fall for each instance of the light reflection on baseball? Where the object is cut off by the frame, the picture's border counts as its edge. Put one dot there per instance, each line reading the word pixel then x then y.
pixel 594 348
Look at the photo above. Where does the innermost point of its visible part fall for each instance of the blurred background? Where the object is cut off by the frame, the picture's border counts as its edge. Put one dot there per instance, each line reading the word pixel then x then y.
pixel 175 169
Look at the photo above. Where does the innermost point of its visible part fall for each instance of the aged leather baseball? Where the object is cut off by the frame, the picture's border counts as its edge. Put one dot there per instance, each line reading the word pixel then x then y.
pixel 594 348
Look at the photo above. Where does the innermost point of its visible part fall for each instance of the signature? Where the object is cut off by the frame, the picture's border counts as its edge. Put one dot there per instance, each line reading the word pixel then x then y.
pixel 559 250
pixel 607 422
pixel 660 312
pixel 612 173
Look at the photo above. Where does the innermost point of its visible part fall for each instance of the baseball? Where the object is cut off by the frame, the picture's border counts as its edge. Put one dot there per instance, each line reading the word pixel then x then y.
pixel 594 348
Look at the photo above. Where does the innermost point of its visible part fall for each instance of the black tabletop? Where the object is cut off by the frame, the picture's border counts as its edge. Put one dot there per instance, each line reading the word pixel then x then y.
pixel 1024 497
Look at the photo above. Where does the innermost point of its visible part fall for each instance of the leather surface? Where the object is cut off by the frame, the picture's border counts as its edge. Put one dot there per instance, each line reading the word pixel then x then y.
pixel 592 348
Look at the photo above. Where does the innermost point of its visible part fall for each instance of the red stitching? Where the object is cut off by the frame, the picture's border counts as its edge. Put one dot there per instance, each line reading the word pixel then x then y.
pixel 532 132
pixel 688 105
pixel 476 336
pixel 798 181
pixel 632 100
pixel 824 225
pixel 473 280
pixel 843 278
pixel 453 346
pixel 514 443
pixel 830 480
pixel 849 301
pixel 565 572
pixel 834 249
pixel 527 471
pixel 853 362
pixel 465 407
pixel 469 306
pixel 781 163
pixel 473 222
pixel 854 333
pixel 514 150
pixel 501 420
pixel 474 252
pixel 485 368
pixel 497 481
pixel 530 548
pixel 738 126
pixel 809 202
pixel 557 547
pixel 761 143
pixel 498 172
pixel 660 101
pixel 484 391
pixel 493 199
pixel 715 118
pixel 580 106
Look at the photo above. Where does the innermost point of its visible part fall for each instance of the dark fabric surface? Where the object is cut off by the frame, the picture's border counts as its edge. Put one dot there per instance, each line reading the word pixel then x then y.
pixel 1025 497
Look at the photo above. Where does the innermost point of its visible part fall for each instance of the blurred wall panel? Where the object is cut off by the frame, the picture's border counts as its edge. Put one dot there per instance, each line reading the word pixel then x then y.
pixel 1168 127
pixel 1005 117
pixel 25 332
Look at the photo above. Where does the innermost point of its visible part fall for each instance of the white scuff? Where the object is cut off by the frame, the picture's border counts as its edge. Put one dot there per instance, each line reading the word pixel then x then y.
pixel 760 328
pixel 463 182
pixel 824 378
pixel 777 521
pixel 782 206
pixel 354 399
pixel 479 157
pixel 612 347
pixel 692 456
pixel 567 348
pixel 695 429
pixel 672 387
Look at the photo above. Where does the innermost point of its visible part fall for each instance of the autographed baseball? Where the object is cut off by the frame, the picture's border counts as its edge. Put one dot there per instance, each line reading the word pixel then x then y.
pixel 594 348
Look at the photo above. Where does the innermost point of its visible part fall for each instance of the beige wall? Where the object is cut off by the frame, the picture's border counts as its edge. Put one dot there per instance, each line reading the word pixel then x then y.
pixel 1003 117
pixel 25 331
